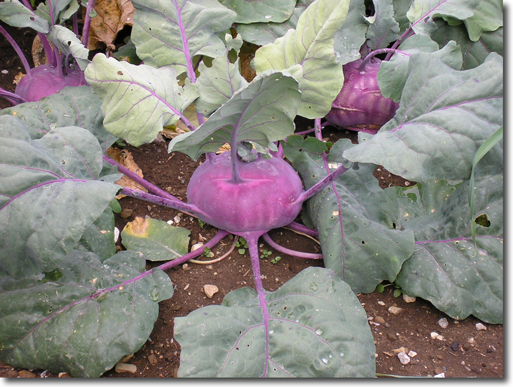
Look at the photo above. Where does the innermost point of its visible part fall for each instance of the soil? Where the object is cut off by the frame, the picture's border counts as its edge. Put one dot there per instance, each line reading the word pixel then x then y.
pixel 461 350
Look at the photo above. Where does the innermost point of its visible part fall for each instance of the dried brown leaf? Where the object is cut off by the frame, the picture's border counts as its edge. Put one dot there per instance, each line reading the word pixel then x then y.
pixel 125 158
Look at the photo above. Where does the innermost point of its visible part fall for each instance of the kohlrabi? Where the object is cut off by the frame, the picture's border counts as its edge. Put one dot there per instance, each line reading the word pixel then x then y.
pixel 66 54
pixel 360 105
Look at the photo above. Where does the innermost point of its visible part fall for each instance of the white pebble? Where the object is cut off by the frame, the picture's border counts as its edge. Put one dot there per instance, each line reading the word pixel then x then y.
pixel 381 303
pixel 412 354
pixel 177 219
pixel 5 72
pixel 408 298
pixel 403 358
pixel 434 335
pixel 210 290
pixel 443 322
pixel 481 327
pixel 442 375
pixel 196 246
pixel 395 310
pixel 170 222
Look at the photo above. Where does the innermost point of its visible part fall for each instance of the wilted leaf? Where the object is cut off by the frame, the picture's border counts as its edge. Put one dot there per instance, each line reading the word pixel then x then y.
pixel 125 158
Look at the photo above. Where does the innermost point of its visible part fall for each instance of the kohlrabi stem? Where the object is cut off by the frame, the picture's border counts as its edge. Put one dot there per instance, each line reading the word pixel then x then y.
pixel 293 253
pixel 255 263
pixel 11 97
pixel 303 229
pixel 138 179
pixel 75 22
pixel 87 23
pixel 396 44
pixel 50 10
pixel 377 52
pixel 236 178
pixel 189 209
pixel 17 48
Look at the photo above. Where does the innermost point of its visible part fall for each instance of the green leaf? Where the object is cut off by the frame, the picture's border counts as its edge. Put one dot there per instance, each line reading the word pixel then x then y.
pixel 72 106
pixel 443 118
pixel 383 29
pixel 218 83
pixel 262 112
pixel 16 14
pixel 488 16
pixel 49 195
pixel 265 33
pixel 475 52
pixel 481 152
pixel 354 219
pixel 457 276
pixel 80 318
pixel 351 35
pixel 295 145
pixel 260 10
pixel 138 101
pixel 62 10
pixel 172 32
pixel 68 43
pixel 155 239
pixel 308 54
pixel 393 74
pixel 99 237
pixel 423 12
pixel 316 328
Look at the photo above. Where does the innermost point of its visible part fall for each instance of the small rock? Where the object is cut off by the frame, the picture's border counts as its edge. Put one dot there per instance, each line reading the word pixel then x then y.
pixel 124 367
pixel 177 219
pixel 443 322
pixel 196 246
pixel 152 359
pixel 64 375
pixel 434 335
pixel 409 299
pixel 412 353
pixel 403 358
pixel 391 336
pixel 395 310
pixel 471 341
pixel 126 213
pixel 11 374
pixel 210 290
pixel 481 327
pixel 455 346
pixel 382 303
pixel 379 320
pixel 442 375
pixel 439 370
pixel 5 72
pixel 399 350
pixel 26 374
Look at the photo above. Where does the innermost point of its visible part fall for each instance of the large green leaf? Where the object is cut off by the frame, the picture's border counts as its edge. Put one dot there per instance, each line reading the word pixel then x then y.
pixel 384 29
pixel 351 35
pixel 475 53
pixel 308 54
pixel 314 327
pixel 459 277
pixel 49 195
pixel 443 118
pixel 156 239
pixel 99 237
pixel 488 16
pixel 257 11
pixel 217 83
pixel 172 32
pixel 423 12
pixel 393 74
pixel 138 101
pixel 68 43
pixel 16 14
pixel 262 112
pixel 72 106
pixel 81 317
pixel 354 219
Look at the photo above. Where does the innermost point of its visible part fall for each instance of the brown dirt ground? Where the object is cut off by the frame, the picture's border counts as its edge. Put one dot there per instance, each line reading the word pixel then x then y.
pixel 464 351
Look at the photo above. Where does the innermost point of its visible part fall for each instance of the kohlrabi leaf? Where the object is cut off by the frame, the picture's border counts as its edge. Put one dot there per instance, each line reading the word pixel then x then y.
pixel 16 14
pixel 68 43
pixel 172 32
pixel 313 326
pixel 383 29
pixel 308 54
pixel 488 16
pixel 354 219
pixel 217 83
pixel 423 12
pixel 260 11
pixel 83 316
pixel 99 237
pixel 261 113
pixel 474 53
pixel 265 33
pixel 401 8
pixel 138 101
pixel 352 33
pixel 443 118
pixel 296 145
pixel 459 277
pixel 72 106
pixel 62 10
pixel 155 239
pixel 49 195
pixel 392 74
